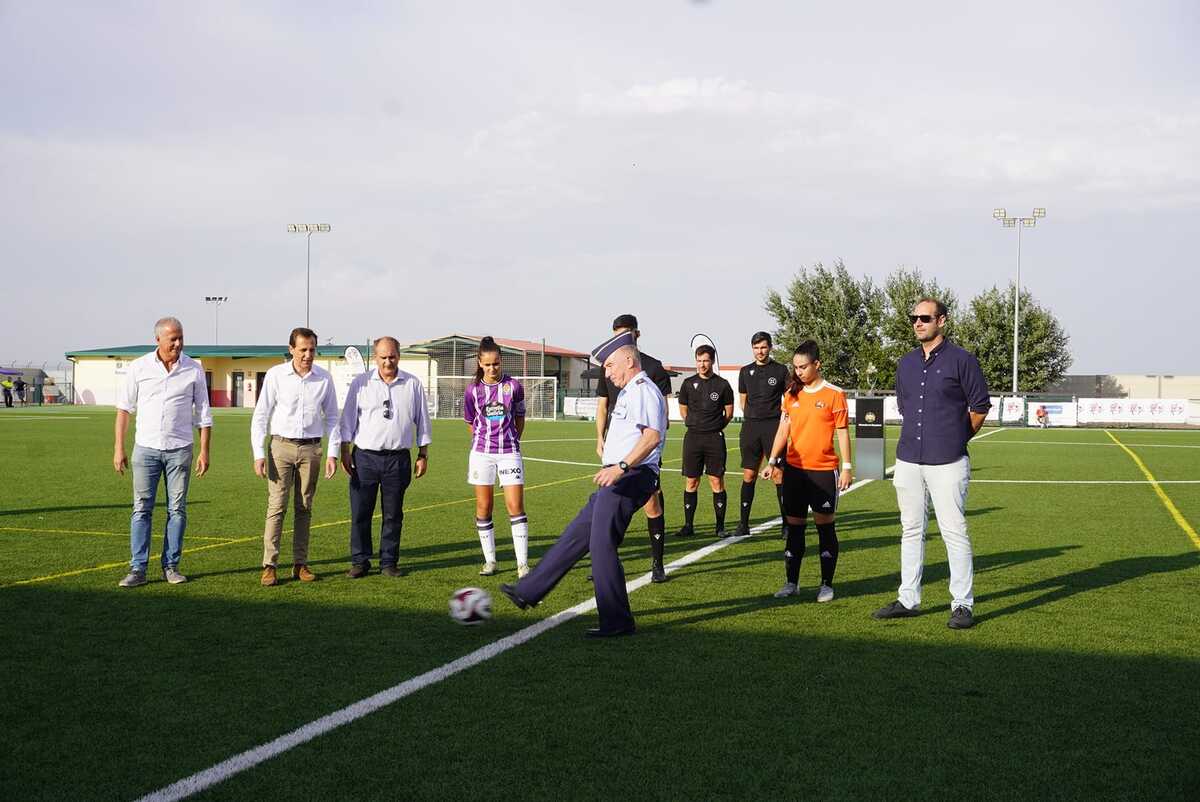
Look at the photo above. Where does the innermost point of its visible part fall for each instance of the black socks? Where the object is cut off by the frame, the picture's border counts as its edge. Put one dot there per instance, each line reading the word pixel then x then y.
pixel 794 552
pixel 747 502
pixel 827 533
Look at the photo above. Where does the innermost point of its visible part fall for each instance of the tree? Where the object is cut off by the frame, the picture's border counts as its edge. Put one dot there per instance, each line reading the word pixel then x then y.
pixel 902 289
pixel 986 330
pixel 843 314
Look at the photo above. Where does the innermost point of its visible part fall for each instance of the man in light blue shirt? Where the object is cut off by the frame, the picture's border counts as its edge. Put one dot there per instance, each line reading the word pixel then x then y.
pixel 632 449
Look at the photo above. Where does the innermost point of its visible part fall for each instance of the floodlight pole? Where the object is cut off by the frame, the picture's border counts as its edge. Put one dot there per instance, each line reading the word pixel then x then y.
pixel 308 229
pixel 1001 216
pixel 216 301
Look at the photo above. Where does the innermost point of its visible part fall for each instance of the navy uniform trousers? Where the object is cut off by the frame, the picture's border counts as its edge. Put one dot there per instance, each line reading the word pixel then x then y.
pixel 599 528
pixel 386 474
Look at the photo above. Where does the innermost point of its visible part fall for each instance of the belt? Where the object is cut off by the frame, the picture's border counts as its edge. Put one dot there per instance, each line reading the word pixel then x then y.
pixel 383 452
pixel 299 441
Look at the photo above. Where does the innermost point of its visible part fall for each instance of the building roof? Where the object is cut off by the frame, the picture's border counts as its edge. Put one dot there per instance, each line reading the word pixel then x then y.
pixel 233 351
pixel 529 346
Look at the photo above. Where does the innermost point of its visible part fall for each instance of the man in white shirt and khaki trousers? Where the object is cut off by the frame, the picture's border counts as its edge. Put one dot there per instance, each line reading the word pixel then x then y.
pixel 167 392
pixel 297 406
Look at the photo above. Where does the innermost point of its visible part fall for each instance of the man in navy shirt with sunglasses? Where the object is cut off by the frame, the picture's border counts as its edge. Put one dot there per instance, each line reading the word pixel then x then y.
pixel 943 398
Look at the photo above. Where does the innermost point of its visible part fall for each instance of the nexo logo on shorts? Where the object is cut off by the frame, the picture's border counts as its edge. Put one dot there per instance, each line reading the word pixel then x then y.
pixel 510 471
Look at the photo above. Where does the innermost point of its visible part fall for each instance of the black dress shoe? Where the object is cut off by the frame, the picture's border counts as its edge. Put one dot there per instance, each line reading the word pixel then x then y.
pixel 511 592
pixel 597 632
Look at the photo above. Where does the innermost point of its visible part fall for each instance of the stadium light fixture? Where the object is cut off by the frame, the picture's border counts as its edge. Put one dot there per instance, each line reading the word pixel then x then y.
pixel 1018 223
pixel 216 301
pixel 308 229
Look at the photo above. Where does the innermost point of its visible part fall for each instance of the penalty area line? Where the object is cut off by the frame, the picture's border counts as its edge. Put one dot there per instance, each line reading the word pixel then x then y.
pixel 250 758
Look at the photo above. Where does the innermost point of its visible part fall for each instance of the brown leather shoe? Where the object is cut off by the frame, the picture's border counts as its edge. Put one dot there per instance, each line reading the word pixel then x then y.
pixel 301 571
pixel 268 576
pixel 359 570
pixel 392 571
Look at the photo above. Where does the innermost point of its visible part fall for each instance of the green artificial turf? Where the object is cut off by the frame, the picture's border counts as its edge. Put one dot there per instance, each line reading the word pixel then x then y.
pixel 1078 682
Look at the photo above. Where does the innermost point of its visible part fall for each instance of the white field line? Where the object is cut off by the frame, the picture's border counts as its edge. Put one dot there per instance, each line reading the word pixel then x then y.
pixel 1083 482
pixel 259 754
pixel 1076 443
pixel 525 458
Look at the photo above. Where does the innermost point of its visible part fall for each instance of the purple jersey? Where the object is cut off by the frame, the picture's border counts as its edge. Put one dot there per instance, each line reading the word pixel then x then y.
pixel 493 409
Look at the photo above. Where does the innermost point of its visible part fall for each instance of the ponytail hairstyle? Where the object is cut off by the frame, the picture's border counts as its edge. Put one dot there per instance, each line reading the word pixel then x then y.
pixel 486 346
pixel 810 349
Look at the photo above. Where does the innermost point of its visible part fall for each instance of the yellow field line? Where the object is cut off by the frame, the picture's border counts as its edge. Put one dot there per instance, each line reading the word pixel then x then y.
pixel 107 566
pixel 90 532
pixel 1162 494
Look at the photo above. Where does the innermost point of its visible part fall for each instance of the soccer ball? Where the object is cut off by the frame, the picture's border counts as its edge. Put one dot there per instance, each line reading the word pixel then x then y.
pixel 471 606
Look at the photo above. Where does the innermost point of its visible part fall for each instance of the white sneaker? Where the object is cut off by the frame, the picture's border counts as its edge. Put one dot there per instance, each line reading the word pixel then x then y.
pixel 825 594
pixel 522 570
pixel 133 579
pixel 788 589
pixel 172 575
pixel 488 569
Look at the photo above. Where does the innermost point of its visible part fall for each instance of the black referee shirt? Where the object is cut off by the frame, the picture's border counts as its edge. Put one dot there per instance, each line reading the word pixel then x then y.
pixel 763 386
pixel 654 369
pixel 705 400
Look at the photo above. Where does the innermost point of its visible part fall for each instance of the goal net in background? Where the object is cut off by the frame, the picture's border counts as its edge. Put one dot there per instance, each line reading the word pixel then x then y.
pixel 541 396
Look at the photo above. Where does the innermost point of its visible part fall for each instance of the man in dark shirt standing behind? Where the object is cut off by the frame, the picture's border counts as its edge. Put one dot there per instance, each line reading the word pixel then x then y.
pixel 943 398
pixel 761 385
pixel 606 399
pixel 706 404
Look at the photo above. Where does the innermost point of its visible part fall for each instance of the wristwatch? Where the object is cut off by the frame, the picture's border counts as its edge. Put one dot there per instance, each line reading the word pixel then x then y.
pixel 775 462
pixel 623 465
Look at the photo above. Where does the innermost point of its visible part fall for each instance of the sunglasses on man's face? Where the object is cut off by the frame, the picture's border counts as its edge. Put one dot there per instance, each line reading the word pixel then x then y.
pixel 922 318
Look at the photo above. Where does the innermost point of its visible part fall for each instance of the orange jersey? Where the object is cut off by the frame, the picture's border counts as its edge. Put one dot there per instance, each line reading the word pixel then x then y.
pixel 812 417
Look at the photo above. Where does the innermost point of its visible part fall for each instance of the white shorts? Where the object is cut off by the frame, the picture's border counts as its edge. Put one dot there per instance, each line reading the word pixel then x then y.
pixel 483 469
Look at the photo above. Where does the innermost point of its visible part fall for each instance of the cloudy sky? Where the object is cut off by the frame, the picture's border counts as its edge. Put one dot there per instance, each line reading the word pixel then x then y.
pixel 531 169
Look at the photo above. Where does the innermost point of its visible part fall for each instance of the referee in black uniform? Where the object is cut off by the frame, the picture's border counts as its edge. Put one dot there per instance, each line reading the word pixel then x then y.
pixel 760 385
pixel 706 404
pixel 606 399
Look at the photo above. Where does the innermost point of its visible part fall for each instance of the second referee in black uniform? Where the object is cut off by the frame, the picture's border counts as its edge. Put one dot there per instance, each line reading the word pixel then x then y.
pixel 761 385
pixel 706 404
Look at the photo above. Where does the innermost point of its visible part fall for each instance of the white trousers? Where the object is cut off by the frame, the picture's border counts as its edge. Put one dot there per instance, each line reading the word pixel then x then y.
pixel 946 485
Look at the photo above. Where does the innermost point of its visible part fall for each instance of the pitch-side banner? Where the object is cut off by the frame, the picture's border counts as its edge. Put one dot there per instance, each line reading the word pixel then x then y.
pixel 1012 409
pixel 1133 410
pixel 579 407
pixel 1057 414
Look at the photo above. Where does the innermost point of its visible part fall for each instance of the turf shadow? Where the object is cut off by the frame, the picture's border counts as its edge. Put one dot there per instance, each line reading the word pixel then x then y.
pixel 84 507
pixel 1095 577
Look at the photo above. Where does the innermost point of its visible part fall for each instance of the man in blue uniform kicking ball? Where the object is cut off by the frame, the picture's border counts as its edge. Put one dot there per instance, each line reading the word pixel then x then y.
pixel 632 449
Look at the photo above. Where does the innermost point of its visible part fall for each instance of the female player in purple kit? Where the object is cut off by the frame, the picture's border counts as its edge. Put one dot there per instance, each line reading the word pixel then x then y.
pixel 494 409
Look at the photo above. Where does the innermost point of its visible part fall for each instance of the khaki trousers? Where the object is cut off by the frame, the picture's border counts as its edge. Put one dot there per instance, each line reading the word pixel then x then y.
pixel 290 468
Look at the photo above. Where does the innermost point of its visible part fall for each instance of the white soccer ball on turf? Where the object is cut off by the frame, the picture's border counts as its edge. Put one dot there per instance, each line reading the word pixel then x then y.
pixel 470 606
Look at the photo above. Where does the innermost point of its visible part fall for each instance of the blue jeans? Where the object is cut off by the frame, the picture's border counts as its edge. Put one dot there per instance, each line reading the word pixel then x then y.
pixel 175 467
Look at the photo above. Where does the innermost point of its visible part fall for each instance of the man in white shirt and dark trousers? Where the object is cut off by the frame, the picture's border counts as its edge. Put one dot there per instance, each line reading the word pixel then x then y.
pixel 167 391
pixel 384 417
pixel 297 406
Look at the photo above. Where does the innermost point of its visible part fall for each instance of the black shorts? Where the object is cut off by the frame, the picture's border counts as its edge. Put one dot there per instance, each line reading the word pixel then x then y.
pixel 703 452
pixel 803 489
pixel 756 439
